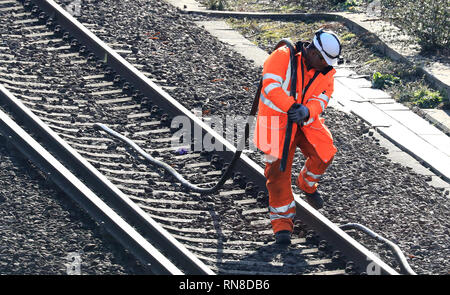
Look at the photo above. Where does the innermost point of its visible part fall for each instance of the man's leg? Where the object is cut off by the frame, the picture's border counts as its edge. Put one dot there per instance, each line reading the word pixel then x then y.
pixel 281 199
pixel 314 167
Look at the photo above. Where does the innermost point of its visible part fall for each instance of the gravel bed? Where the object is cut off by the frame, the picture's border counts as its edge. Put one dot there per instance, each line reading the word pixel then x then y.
pixel 225 230
pixel 362 185
pixel 43 231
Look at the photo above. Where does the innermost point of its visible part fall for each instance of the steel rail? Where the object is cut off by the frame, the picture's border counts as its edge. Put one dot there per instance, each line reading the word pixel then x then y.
pixel 133 214
pixel 151 258
pixel 325 229
pixel 394 247
pixel 126 208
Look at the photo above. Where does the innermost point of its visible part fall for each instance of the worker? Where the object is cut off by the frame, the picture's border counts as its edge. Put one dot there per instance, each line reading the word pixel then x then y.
pixel 315 84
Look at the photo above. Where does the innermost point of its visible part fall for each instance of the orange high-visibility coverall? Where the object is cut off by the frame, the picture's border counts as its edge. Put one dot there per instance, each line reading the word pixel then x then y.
pixel 314 138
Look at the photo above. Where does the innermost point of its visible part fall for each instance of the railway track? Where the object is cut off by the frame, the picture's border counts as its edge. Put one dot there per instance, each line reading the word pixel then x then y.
pixel 58 72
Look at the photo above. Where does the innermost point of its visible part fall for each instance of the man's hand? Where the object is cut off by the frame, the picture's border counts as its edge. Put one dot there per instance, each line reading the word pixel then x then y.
pixel 298 113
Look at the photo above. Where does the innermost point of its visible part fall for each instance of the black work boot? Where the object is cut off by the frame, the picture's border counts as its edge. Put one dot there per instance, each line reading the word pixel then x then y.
pixel 314 200
pixel 283 237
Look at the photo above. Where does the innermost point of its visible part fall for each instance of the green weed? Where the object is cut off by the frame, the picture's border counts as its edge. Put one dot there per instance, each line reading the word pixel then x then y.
pixel 426 98
pixel 216 4
pixel 347 37
pixel 381 81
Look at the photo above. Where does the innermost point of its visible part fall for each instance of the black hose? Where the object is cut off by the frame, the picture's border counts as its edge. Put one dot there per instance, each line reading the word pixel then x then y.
pixel 237 154
pixel 178 176
pixel 225 176
pixel 293 92
pixel 397 251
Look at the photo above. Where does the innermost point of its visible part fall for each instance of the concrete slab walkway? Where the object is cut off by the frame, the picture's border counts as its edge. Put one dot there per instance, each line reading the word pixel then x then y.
pixel 402 127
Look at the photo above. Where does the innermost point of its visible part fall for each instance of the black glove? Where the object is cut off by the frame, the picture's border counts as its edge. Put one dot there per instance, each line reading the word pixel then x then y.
pixel 298 113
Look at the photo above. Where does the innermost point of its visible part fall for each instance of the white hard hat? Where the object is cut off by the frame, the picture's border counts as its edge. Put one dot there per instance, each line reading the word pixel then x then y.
pixel 329 46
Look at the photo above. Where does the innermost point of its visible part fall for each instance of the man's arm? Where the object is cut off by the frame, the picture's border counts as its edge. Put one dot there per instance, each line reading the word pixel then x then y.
pixel 316 104
pixel 274 74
